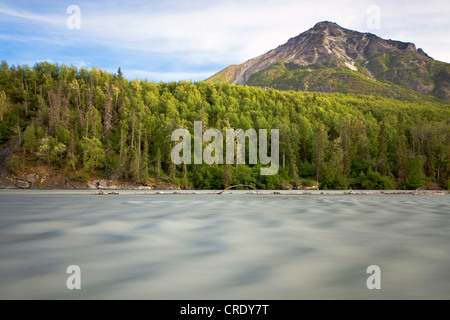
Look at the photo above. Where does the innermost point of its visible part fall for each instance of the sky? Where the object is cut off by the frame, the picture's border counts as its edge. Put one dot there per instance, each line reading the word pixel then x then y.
pixel 171 40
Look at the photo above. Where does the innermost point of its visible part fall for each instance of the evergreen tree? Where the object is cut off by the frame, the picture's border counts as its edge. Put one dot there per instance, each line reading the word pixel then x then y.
pixel 382 149
pixel 400 150
pixel 321 142
pixel 158 163
pixel 227 177
pixel 3 105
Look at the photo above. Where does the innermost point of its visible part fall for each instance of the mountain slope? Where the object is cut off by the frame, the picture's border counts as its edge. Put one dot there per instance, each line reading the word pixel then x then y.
pixel 329 58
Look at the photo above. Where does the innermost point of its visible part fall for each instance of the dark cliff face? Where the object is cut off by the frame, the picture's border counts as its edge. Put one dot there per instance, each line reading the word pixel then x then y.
pixel 329 58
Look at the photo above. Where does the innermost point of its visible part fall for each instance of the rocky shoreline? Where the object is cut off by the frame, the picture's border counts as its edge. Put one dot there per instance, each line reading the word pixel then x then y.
pixel 34 181
pixel 30 175
pixel 46 179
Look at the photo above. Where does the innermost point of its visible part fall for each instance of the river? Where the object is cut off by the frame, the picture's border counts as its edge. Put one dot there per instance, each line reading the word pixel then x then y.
pixel 143 245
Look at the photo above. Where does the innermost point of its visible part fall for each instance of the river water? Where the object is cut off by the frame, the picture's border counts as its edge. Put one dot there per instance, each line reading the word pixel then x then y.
pixel 231 246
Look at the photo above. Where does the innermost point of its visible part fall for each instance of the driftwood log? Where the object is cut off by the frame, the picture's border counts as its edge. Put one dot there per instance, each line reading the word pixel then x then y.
pixel 238 185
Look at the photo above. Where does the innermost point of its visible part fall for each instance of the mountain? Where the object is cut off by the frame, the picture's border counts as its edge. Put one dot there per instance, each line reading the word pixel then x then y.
pixel 329 58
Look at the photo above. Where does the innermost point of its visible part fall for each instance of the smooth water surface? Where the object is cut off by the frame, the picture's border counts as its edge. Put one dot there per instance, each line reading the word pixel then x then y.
pixel 231 246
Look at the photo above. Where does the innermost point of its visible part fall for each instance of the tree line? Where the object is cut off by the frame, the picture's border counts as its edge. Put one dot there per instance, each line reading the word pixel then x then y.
pixel 95 123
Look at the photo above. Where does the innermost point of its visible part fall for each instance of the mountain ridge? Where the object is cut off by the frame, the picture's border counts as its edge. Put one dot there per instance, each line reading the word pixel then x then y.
pixel 337 55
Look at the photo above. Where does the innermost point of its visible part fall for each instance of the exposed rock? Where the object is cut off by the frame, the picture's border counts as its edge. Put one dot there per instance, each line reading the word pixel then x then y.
pixel 330 47
pixel 46 177
pixel 141 187
pixel 107 184
pixel 32 177
pixel 23 184
pixel 92 184
pixel 306 187
pixel 285 186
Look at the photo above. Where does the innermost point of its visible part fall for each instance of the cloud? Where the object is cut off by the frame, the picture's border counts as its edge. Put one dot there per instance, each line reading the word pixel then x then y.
pixel 190 38
pixel 31 16
pixel 238 30
pixel 48 60
pixel 218 31
pixel 166 76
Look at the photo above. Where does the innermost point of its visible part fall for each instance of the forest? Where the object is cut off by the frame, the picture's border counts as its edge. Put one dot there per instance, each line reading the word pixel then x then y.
pixel 92 123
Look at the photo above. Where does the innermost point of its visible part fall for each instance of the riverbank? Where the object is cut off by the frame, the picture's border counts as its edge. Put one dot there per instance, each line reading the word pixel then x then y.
pixel 44 179
pixel 47 178
pixel 21 171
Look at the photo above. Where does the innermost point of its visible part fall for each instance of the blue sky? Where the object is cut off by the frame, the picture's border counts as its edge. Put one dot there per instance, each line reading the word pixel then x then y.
pixel 192 40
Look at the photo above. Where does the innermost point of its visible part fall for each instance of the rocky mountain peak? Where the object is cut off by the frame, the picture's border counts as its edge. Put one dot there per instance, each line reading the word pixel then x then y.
pixel 331 48
pixel 326 24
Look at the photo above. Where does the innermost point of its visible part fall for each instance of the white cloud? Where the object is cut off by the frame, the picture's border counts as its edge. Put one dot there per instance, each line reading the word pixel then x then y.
pixel 201 32
pixel 32 16
pixel 82 64
pixel 241 30
pixel 166 76
pixel 48 60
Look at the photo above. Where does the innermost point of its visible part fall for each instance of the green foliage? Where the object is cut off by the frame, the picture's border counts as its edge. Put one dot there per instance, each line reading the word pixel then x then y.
pixel 209 177
pixel 375 181
pixel 45 148
pixel 227 176
pixel 93 153
pixel 14 164
pixel 30 139
pixel 8 126
pixel 402 76
pixel 415 177
pixel 246 175
pixel 93 122
pixel 72 161
pixel 52 151
pixel 3 105
pixel 333 176
pixel 62 134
